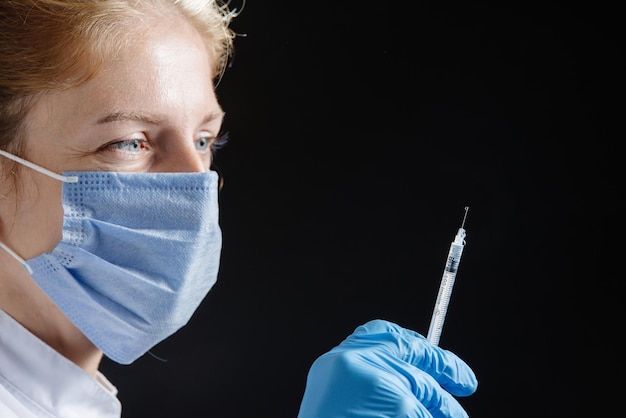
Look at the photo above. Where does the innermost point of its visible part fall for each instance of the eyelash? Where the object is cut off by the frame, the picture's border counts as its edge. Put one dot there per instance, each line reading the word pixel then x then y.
pixel 219 142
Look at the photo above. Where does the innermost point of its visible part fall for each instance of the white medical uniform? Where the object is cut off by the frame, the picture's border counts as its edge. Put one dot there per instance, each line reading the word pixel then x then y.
pixel 36 381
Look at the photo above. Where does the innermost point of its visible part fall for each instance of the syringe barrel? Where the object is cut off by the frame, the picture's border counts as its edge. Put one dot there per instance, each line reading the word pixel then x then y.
pixel 445 287
pixel 454 258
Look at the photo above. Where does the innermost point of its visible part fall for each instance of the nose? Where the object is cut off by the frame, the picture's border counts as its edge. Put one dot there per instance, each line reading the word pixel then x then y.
pixel 181 156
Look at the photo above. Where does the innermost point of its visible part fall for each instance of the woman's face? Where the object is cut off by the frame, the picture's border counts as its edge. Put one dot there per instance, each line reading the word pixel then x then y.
pixel 152 109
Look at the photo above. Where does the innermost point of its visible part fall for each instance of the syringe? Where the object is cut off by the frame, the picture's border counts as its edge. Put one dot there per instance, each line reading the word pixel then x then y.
pixel 447 281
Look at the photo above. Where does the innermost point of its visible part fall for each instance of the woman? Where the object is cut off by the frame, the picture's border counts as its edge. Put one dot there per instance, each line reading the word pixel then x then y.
pixel 109 235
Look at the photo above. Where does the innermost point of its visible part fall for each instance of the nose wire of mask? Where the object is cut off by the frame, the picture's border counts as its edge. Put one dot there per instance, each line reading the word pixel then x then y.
pixel 45 171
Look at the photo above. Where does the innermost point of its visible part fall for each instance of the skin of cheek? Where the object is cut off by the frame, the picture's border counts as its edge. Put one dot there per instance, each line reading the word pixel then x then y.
pixel 33 220
pixel 38 218
pixel 52 127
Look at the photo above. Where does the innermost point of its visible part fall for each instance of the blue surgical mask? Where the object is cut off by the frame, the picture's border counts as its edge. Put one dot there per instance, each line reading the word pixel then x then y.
pixel 139 253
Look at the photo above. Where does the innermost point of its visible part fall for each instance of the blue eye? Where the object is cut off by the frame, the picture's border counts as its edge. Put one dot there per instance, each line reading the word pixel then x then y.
pixel 211 142
pixel 203 143
pixel 131 145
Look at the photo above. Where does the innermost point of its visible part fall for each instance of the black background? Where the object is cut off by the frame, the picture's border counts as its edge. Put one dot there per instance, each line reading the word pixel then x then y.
pixel 358 133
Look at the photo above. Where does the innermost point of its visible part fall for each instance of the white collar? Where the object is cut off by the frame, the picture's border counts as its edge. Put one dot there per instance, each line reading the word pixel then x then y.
pixel 42 378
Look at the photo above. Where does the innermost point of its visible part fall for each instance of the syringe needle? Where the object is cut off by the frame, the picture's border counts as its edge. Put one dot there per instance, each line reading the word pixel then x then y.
pixel 464 217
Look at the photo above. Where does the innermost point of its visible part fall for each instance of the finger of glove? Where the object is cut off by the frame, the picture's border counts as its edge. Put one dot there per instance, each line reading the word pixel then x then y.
pixel 352 383
pixel 427 390
pixel 452 373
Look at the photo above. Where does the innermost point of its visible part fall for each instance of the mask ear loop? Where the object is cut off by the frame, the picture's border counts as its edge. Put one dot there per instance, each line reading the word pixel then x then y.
pixel 65 179
pixel 17 257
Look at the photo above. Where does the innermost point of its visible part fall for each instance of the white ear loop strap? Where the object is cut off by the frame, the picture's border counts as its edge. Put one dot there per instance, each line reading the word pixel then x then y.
pixel 65 179
pixel 17 257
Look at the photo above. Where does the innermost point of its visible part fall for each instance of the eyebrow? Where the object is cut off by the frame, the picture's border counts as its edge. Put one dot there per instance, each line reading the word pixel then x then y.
pixel 154 119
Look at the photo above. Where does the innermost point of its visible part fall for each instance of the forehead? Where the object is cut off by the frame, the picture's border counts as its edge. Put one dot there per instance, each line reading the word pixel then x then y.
pixel 165 71
pixel 162 69
pixel 166 60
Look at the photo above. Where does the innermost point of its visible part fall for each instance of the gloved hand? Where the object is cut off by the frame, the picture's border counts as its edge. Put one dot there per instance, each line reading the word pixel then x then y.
pixel 384 370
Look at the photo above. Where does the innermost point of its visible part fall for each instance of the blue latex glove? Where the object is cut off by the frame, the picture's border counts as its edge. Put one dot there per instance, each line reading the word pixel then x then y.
pixel 384 370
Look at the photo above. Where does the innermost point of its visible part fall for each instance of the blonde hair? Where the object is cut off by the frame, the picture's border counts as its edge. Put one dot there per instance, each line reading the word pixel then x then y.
pixel 48 45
